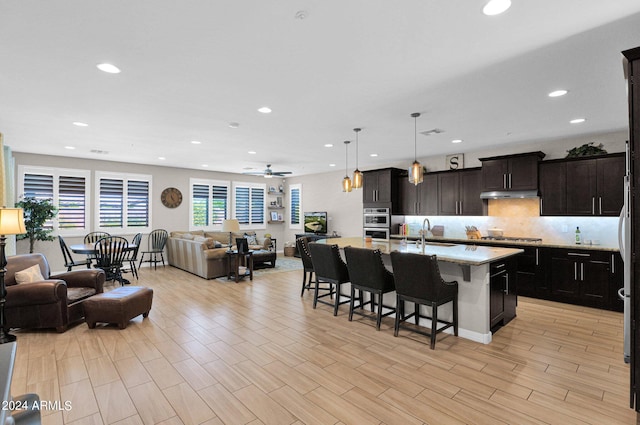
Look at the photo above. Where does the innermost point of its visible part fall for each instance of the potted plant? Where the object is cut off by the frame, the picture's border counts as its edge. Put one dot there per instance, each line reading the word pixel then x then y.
pixel 36 214
pixel 587 149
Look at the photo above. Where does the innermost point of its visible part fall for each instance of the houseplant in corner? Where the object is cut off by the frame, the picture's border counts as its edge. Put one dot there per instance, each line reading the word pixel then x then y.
pixel 36 214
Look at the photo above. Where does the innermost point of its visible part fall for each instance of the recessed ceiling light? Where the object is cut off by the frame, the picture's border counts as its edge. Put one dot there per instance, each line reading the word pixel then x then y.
pixel 234 125
pixel 252 152
pixel 332 165
pixel 109 68
pixel 577 121
pixel 265 110
pixel 195 142
pixel 456 141
pixel 161 158
pixel 558 93
pixel 328 145
pixel 205 165
pixel 496 7
pixel 373 155
pixel 80 124
pixel 70 147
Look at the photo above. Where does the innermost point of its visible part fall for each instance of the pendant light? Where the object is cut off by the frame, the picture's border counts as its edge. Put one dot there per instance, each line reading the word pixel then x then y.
pixel 346 182
pixel 357 174
pixel 415 172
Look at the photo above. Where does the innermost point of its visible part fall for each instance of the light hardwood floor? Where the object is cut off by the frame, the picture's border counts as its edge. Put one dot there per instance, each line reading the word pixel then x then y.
pixel 214 352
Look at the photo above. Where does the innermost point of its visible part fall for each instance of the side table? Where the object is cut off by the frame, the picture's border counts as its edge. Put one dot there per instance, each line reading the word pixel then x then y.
pixel 235 260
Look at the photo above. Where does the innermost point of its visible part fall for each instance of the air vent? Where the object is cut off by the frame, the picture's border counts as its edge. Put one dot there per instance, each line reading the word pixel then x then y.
pixel 432 131
pixel 99 152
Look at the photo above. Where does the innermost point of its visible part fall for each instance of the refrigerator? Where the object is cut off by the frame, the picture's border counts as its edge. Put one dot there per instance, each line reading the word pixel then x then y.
pixel 624 241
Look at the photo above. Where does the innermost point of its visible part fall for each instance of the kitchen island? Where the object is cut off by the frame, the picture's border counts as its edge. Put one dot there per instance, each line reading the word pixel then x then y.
pixel 469 265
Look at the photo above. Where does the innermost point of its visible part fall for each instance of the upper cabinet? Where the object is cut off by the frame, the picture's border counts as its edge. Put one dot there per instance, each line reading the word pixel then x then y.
pixel 459 192
pixel 583 186
pixel 380 188
pixel 421 199
pixel 511 172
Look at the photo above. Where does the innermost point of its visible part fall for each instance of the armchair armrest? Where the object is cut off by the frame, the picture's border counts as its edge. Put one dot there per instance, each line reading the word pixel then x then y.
pixel 43 292
pixel 93 278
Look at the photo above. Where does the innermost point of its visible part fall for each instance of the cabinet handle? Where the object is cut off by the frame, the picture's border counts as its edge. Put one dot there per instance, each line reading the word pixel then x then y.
pixel 579 254
pixel 510 176
pixel 575 271
pixel 504 181
pixel 499 266
pixel 600 204
pixel 582 272
pixel 613 264
pixel 460 207
pixel 540 205
pixel 537 257
pixel 506 278
pixel 593 205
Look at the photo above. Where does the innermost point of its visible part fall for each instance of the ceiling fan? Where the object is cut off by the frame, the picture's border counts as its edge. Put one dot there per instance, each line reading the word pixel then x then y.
pixel 269 173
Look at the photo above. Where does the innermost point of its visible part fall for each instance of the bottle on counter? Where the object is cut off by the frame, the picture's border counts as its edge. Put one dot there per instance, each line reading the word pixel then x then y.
pixel 578 236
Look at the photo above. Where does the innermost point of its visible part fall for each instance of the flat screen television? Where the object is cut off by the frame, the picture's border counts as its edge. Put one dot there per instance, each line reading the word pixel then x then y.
pixel 315 222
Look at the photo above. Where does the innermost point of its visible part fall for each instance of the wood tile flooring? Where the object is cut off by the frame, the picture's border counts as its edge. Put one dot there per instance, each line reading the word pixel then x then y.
pixel 213 352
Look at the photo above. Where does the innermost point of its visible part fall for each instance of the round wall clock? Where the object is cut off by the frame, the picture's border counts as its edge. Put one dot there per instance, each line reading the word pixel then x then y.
pixel 171 197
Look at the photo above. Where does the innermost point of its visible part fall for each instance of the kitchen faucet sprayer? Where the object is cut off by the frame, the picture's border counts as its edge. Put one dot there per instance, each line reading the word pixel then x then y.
pixel 422 232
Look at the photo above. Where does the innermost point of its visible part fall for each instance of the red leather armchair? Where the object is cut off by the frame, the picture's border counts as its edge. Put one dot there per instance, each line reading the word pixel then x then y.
pixel 52 303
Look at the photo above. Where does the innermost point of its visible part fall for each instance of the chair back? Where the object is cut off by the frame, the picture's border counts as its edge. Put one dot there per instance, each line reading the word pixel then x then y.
pixel 157 240
pixel 94 237
pixel 327 263
pixel 66 253
pixel 17 263
pixel 137 239
pixel 111 252
pixel 305 255
pixel 242 245
pixel 367 269
pixel 418 276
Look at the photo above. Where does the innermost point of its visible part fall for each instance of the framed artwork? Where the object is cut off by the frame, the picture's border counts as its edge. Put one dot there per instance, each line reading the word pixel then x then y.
pixel 274 216
pixel 272 189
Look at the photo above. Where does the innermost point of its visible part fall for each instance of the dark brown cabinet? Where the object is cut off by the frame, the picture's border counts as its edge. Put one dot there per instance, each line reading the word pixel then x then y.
pixel 502 293
pixel 581 277
pixel 419 199
pixel 579 187
pixel 511 172
pixel 531 279
pixel 459 192
pixel 380 188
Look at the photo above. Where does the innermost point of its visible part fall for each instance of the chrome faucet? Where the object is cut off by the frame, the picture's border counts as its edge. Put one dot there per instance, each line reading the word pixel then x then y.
pixel 423 232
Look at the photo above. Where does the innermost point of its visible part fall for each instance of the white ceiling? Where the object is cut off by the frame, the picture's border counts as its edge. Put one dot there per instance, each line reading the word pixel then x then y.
pixel 191 68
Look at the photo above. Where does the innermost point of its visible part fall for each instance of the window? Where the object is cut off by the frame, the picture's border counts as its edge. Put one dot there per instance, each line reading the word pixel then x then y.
pixel 295 195
pixel 67 188
pixel 123 202
pixel 209 204
pixel 249 204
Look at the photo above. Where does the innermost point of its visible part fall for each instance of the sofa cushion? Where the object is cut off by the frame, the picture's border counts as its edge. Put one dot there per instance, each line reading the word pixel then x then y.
pixel 29 275
pixel 77 294
pixel 187 236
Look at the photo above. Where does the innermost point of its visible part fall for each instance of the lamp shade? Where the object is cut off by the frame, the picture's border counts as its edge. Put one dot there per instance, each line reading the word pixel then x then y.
pixel 231 225
pixel 12 221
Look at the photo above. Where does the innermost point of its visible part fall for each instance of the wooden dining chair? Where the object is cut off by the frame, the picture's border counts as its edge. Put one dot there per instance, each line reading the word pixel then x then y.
pixel 156 243
pixel 111 255
pixel 132 256
pixel 92 238
pixel 69 262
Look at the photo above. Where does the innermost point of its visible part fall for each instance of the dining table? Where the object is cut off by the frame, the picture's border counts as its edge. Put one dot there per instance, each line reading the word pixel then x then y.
pixel 90 250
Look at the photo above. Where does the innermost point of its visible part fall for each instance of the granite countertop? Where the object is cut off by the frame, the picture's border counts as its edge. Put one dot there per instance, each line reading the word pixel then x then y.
pixel 469 255
pixel 542 244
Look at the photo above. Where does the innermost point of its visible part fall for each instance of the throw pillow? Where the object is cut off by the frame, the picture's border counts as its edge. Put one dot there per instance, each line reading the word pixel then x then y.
pixel 187 236
pixel 251 239
pixel 217 244
pixel 32 274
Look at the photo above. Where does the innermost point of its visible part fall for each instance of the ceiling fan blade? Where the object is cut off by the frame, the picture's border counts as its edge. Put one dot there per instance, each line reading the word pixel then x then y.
pixel 280 173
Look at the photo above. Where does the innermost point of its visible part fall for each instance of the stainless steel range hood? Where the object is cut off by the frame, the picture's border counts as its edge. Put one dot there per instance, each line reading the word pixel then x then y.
pixel 512 194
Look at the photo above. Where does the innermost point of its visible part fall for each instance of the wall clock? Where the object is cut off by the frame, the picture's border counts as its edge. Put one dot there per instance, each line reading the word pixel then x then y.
pixel 171 197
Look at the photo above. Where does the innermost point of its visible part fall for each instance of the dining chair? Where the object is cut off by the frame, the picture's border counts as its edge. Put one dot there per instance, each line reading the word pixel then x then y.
pixel 331 271
pixel 368 274
pixel 111 255
pixel 69 262
pixel 307 264
pixel 132 256
pixel 92 238
pixel 156 243
pixel 418 280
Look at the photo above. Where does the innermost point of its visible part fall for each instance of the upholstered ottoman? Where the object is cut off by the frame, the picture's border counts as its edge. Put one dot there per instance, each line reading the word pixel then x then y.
pixel 118 306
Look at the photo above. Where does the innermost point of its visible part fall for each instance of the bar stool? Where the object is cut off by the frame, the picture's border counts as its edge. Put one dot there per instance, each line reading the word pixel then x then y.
pixel 331 270
pixel 418 280
pixel 307 264
pixel 368 274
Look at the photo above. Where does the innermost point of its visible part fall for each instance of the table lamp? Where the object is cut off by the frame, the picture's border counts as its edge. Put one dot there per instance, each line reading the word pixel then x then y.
pixel 11 223
pixel 231 225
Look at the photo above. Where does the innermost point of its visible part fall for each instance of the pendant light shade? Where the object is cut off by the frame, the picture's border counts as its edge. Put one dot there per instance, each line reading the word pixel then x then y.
pixel 346 181
pixel 357 174
pixel 416 175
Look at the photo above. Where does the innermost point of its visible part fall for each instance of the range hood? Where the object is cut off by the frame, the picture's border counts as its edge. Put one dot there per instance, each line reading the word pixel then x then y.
pixel 511 194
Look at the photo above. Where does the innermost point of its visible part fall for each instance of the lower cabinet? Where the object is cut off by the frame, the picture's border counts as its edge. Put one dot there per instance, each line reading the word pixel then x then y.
pixel 582 277
pixel 503 293
pixel 531 276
